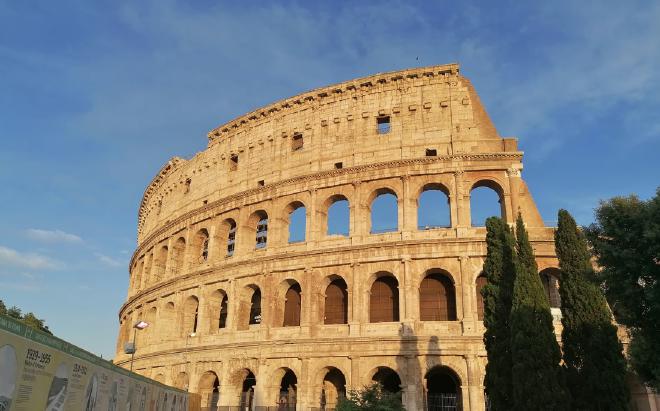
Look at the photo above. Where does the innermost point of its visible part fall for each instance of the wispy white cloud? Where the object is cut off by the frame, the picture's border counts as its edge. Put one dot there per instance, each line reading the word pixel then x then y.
pixel 11 257
pixel 109 261
pixel 51 236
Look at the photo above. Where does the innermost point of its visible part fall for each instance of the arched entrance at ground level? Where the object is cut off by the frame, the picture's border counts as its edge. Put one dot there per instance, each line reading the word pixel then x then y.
pixel 246 400
pixel 443 391
pixel 287 391
pixel 209 390
pixel 181 381
pixel 388 378
pixel 334 387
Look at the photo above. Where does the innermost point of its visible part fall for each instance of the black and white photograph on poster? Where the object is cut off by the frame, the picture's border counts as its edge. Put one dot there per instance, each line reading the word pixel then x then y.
pixel 112 396
pixel 8 376
pixel 58 388
pixel 91 393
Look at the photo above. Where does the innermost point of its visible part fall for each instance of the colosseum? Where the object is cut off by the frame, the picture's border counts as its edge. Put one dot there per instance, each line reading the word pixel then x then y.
pixel 252 314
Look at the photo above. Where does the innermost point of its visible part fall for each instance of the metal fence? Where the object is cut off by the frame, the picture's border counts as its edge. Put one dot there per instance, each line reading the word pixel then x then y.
pixel 443 402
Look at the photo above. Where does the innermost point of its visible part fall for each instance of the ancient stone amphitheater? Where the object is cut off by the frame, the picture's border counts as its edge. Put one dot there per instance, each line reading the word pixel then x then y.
pixel 250 316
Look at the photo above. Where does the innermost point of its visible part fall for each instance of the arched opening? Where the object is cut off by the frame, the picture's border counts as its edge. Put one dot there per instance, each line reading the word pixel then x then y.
pixel 333 388
pixel 135 277
pixel 260 221
pixel 181 381
pixel 486 200
pixel 437 297
pixel 388 379
pixel 297 215
pixel 480 284
pixel 167 316
pixel 247 391
pixel 292 305
pixel 339 215
pixel 433 207
pixel 228 229
pixel 201 247
pixel 146 275
pixel 336 302
pixel 384 301
pixel 255 307
pixel 218 306
pixel 160 263
pixel 150 332
pixel 176 260
pixel 209 390
pixel 442 390
pixel 384 212
pixel 190 315
pixel 288 393
pixel 550 278
pixel 140 280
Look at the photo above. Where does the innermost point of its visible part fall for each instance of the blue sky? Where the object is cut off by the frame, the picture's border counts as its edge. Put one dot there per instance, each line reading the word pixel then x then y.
pixel 96 96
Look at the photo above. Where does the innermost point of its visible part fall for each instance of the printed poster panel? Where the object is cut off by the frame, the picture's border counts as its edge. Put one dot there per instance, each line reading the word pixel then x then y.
pixel 41 372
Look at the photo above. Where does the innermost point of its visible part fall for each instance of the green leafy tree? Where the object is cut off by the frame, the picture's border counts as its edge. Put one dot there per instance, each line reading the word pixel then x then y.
pixel 499 270
pixel 626 243
pixel 593 358
pixel 537 382
pixel 370 398
pixel 28 319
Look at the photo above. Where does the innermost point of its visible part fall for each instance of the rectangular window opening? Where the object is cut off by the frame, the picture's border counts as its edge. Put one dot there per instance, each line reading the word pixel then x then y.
pixel 431 152
pixel 261 183
pixel 297 142
pixel 233 162
pixel 339 165
pixel 383 123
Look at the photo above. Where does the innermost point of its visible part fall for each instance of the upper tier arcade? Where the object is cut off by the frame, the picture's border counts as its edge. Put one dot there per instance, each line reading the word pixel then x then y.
pixel 428 110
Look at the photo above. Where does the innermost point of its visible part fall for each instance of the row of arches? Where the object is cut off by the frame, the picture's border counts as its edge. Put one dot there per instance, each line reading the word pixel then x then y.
pixel 442 388
pixel 433 211
pixel 436 302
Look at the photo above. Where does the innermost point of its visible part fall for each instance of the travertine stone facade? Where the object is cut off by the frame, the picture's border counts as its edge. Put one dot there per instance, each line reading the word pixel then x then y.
pixel 213 236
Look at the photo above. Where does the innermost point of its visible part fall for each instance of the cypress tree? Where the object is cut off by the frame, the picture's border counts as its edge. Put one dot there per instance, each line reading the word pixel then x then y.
pixel 593 359
pixel 497 294
pixel 537 382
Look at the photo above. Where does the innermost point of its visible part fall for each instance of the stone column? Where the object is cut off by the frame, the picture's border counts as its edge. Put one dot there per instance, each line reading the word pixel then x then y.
pixel 355 294
pixel 461 205
pixel 514 191
pixel 310 297
pixel 406 300
pixel 406 215
pixel 312 233
pixel 353 380
pixel 357 213
pixel 412 391
pixel 475 384
pixel 466 289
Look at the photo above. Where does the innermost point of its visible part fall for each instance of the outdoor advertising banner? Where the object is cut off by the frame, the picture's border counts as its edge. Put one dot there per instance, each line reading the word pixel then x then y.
pixel 39 372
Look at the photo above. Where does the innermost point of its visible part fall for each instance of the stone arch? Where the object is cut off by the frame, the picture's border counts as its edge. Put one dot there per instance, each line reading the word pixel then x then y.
pixel 218 310
pixel 335 307
pixel 151 332
pixel 433 208
pixel 209 389
pixel 200 247
pixel 177 256
pixel 288 303
pixel 227 236
pixel 167 316
pixel 160 263
pixel 250 307
pixel 383 211
pixel 480 283
pixel 437 296
pixel 384 298
pixel 190 315
pixel 246 384
pixel 257 229
pixel 295 214
pixel 337 216
pixel 388 378
pixel 285 385
pixel 550 278
pixel 443 389
pixel 332 386
pixel 476 206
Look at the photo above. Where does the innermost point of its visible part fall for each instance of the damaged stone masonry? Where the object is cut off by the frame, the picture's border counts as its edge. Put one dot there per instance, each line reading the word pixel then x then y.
pixel 244 316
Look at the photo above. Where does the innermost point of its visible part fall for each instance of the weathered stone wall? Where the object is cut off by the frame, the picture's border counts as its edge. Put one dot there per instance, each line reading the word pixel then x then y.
pixel 186 215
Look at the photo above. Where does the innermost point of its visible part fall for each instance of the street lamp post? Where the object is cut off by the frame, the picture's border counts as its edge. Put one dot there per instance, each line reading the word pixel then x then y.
pixel 129 348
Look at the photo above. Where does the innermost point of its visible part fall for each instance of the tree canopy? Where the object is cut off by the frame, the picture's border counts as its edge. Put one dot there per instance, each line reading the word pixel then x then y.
pixel 626 243
pixel 370 398
pixel 29 319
